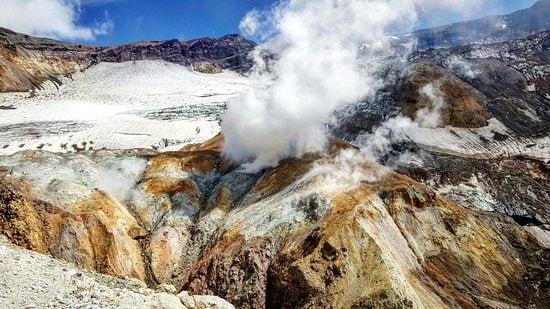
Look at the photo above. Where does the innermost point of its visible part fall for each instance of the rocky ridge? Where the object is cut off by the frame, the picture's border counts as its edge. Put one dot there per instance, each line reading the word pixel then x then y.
pixel 26 62
pixel 208 55
pixel 491 29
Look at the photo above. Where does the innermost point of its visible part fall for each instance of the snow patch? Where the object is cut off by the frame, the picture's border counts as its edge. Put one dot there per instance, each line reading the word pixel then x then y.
pixel 472 194
pixel 118 106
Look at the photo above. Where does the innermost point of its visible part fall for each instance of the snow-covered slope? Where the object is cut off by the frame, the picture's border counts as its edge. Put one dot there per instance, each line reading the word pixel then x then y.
pixel 119 105
pixel 490 142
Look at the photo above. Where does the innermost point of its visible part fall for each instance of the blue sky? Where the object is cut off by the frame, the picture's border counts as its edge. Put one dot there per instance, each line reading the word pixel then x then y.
pixel 114 22
pixel 137 20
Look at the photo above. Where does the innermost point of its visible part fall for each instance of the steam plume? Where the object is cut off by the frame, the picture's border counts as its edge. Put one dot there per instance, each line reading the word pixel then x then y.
pixel 430 117
pixel 317 45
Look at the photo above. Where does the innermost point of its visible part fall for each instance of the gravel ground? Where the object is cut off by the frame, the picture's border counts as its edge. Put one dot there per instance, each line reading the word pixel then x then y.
pixel 32 280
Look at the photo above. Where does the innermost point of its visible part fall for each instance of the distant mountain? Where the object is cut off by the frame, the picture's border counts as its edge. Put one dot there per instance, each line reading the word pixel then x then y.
pixel 26 61
pixel 491 29
pixel 205 54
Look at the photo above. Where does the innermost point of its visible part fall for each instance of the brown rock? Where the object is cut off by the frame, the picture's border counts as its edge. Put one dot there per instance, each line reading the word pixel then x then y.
pixel 93 233
pixel 20 219
pixel 234 270
pixel 465 106
pixel 166 247
pixel 279 239
pixel 199 162
pixel 207 67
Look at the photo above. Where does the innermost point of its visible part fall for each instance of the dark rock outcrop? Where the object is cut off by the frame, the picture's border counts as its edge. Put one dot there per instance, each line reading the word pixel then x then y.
pixel 228 52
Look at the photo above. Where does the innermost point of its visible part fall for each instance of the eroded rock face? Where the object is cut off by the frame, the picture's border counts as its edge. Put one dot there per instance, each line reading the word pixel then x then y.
pixel 286 237
pixel 95 234
pixel 27 62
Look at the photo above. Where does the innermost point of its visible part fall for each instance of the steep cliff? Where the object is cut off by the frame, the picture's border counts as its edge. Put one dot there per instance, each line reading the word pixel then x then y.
pixel 26 62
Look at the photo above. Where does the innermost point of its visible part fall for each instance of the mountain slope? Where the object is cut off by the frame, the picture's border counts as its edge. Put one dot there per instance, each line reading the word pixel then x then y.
pixel 493 123
pixel 489 29
pixel 26 62
pixel 514 76
pixel 509 80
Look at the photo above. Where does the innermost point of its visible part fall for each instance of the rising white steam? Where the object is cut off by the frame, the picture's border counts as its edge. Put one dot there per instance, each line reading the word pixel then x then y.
pixel 346 171
pixel 430 116
pixel 316 47
pixel 463 67
pixel 378 143
pixel 119 177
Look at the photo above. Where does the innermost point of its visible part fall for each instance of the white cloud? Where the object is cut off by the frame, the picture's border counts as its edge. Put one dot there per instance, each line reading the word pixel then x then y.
pixel 50 18
pixel 104 27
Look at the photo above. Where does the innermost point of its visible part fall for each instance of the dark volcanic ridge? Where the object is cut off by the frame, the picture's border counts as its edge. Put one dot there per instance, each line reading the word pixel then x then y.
pixel 490 29
pixel 26 61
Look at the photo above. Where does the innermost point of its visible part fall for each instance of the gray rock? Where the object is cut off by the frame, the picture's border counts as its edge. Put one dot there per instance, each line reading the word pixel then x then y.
pixel 167 288
pixel 204 301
